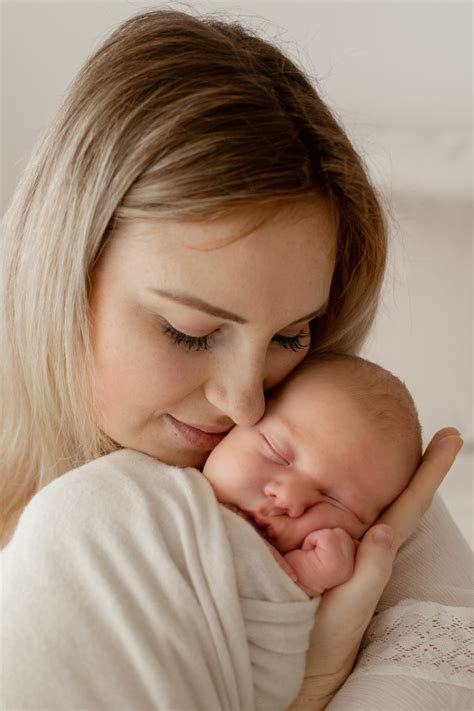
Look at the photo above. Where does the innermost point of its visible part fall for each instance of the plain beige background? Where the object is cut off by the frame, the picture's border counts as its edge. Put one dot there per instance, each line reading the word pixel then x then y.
pixel 398 75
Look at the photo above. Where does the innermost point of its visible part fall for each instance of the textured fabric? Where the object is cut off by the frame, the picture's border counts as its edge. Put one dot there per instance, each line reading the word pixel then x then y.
pixel 399 693
pixel 127 586
pixel 436 642
pixel 417 654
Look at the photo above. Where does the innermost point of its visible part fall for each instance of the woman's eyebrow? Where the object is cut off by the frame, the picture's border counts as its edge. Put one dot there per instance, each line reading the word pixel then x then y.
pixel 195 303
pixel 187 300
pixel 313 314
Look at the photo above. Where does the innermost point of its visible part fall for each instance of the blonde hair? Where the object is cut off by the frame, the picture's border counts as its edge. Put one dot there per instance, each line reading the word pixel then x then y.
pixel 175 116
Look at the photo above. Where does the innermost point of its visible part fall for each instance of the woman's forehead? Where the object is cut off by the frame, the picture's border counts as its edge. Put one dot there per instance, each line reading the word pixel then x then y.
pixel 285 265
pixel 252 234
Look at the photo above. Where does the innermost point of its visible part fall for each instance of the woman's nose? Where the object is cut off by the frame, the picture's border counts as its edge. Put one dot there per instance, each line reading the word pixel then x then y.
pixel 239 394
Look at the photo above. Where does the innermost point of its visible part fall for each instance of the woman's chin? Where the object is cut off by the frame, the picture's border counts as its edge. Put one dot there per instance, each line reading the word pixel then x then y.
pixel 179 457
pixel 164 449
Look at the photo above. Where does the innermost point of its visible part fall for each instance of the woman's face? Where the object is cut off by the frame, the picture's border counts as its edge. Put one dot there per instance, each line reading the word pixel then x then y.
pixel 190 327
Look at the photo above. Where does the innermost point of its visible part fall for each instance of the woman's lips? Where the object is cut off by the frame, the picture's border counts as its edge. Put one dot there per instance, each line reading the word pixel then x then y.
pixel 204 437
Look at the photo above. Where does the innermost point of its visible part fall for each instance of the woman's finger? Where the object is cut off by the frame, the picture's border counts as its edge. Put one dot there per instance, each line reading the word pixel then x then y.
pixel 405 513
pixel 441 434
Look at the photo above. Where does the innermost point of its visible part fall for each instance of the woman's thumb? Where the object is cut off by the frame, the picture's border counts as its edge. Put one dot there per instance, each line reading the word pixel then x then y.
pixel 373 566
pixel 382 535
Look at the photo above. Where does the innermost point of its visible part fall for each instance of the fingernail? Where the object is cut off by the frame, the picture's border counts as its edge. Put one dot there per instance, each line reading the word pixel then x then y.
pixel 451 436
pixel 383 535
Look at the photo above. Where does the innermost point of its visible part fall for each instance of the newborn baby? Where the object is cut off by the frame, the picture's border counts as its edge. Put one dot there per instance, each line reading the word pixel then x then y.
pixel 339 440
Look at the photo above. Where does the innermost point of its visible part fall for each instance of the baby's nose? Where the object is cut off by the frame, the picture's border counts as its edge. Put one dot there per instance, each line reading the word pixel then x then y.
pixel 286 497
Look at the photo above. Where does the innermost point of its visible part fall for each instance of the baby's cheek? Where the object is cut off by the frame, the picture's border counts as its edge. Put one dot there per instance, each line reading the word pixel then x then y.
pixel 228 472
pixel 216 471
pixel 334 517
pixel 353 527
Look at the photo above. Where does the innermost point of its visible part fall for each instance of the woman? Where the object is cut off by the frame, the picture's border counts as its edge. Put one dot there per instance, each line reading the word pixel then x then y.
pixel 193 223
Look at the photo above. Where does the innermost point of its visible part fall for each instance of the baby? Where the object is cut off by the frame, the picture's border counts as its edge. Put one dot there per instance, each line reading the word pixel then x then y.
pixel 339 440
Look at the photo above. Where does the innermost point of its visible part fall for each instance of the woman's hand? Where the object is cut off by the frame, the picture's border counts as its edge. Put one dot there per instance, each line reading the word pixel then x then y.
pixel 345 611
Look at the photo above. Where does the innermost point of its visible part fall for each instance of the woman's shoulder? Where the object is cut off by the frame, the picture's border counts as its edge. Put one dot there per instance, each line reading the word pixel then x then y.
pixel 67 491
pixel 103 492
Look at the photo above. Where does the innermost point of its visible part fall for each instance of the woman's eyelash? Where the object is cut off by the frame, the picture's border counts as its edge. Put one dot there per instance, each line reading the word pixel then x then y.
pixel 201 343
pixel 192 343
pixel 294 343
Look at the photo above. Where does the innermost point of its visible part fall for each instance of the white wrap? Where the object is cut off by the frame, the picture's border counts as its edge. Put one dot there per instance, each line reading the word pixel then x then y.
pixel 128 587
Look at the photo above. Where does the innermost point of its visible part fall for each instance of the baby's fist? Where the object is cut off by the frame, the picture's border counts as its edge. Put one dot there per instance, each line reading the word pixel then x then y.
pixel 335 550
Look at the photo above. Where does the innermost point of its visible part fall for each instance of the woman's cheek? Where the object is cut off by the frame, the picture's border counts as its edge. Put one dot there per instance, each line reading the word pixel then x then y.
pixel 171 370
pixel 281 365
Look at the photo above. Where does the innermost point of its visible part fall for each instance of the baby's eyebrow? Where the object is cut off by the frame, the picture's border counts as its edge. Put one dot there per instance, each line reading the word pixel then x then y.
pixel 194 302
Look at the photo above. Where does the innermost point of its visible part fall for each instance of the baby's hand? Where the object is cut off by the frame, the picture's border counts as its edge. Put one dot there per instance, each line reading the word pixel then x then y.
pixel 325 559
pixel 335 551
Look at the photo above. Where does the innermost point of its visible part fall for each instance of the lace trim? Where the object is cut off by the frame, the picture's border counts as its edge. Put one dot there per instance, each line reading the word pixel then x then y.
pixel 421 639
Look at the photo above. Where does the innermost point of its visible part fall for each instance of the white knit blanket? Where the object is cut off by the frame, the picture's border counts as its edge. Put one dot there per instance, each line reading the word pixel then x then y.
pixel 128 586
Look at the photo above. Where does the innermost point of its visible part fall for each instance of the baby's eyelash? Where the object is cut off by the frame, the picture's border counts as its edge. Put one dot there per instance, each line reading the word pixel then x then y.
pixel 328 496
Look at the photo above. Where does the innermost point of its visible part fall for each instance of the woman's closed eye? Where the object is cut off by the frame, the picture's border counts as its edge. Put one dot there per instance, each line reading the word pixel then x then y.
pixel 294 343
pixel 200 343
pixel 192 343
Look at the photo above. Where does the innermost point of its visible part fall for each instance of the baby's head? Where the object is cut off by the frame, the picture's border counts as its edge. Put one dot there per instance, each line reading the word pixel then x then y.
pixel 338 442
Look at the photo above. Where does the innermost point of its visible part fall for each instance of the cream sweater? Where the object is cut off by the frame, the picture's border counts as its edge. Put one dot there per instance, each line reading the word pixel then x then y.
pixel 82 613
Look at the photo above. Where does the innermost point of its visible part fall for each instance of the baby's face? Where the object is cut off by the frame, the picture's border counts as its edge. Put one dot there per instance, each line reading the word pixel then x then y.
pixel 313 461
